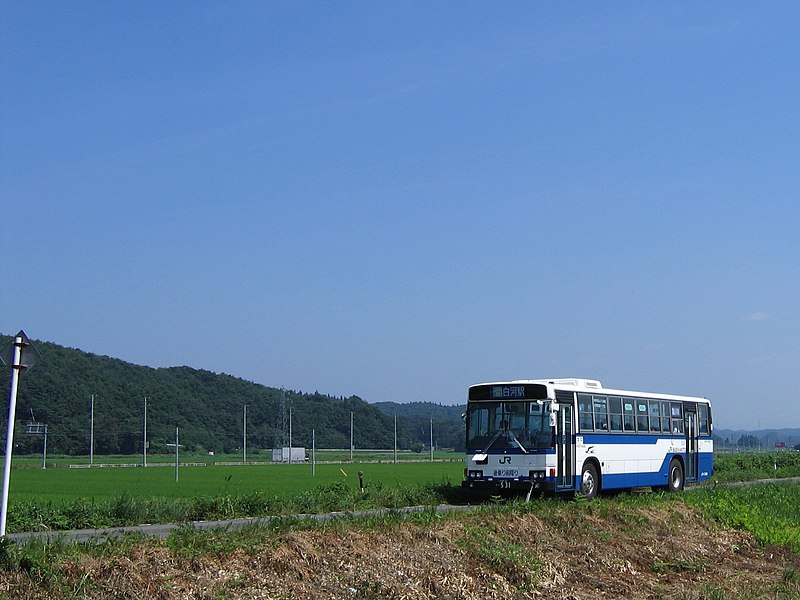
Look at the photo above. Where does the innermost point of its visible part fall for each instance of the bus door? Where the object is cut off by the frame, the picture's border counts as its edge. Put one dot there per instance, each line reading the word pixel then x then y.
pixel 690 422
pixel 564 449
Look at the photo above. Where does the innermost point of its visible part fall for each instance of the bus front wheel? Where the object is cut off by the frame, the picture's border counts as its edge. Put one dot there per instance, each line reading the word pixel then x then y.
pixel 590 483
pixel 675 475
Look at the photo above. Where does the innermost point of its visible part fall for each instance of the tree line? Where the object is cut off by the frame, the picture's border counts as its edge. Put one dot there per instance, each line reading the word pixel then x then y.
pixel 206 407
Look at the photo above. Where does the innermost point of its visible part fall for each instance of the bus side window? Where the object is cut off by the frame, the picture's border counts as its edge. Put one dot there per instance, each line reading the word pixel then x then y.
pixel 641 416
pixel 629 414
pixel 665 417
pixel 655 413
pixel 585 412
pixel 702 419
pixel 615 412
pixel 600 413
pixel 677 418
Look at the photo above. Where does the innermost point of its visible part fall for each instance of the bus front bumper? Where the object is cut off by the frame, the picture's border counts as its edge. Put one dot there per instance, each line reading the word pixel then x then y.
pixel 538 485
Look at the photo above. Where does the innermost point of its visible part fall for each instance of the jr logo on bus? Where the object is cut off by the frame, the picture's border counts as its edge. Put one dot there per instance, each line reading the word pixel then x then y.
pixel 506 460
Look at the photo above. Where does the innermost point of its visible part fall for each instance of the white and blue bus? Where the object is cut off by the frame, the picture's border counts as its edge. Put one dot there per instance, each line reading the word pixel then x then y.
pixel 574 436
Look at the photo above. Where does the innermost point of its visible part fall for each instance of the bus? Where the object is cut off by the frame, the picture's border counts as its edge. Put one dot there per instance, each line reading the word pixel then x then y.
pixel 573 436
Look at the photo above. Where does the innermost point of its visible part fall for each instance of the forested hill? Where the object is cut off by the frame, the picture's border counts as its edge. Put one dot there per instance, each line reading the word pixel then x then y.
pixel 421 417
pixel 207 408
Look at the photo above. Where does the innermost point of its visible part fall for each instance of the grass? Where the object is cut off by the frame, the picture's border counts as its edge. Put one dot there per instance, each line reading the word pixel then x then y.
pixel 61 499
pixel 96 483
pixel 770 512
pixel 750 466
pixel 484 543
pixel 34 461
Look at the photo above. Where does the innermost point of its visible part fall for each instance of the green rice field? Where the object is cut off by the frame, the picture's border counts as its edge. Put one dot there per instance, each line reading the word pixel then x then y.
pixel 98 483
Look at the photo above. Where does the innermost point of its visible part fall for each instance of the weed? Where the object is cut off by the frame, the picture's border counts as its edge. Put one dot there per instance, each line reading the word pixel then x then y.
pixel 428 517
pixel 713 592
pixel 501 553
pixel 756 465
pixel 186 542
pixel 769 512
pixel 368 589
pixel 679 566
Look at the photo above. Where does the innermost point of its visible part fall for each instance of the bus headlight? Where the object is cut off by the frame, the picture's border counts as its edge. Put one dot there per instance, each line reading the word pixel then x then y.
pixel 476 474
pixel 536 475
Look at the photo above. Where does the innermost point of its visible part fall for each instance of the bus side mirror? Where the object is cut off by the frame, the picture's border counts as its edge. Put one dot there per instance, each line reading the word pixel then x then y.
pixel 553 411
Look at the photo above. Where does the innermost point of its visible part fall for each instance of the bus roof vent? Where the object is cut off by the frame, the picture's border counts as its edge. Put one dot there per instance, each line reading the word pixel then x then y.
pixel 585 383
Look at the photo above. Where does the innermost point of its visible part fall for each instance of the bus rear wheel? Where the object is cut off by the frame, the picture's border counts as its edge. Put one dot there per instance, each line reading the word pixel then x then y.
pixel 675 478
pixel 590 483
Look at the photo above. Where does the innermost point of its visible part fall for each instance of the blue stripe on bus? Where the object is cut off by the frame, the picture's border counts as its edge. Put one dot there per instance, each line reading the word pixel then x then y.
pixel 658 478
pixel 614 438
pixel 515 451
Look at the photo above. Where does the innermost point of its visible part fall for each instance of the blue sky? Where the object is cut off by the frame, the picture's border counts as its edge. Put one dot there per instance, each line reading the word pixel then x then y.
pixel 397 200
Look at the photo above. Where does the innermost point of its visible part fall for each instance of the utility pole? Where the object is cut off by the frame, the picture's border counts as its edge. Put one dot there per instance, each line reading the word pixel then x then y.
pixel 244 435
pixel 91 432
pixel 144 435
pixel 351 436
pixel 283 419
pixel 35 428
pixel 177 445
pixel 395 439
pixel 44 448
pixel 431 440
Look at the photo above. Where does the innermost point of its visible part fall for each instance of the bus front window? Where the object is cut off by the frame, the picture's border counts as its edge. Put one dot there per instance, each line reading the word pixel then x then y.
pixel 506 425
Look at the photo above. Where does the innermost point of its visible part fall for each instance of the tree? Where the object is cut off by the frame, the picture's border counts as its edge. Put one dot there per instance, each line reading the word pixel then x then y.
pixel 206 406
pixel 748 441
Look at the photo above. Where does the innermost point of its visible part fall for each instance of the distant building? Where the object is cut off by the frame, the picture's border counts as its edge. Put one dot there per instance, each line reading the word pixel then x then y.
pixel 286 454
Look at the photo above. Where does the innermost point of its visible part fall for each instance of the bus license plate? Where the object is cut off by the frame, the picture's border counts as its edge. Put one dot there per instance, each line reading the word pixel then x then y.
pixel 506 472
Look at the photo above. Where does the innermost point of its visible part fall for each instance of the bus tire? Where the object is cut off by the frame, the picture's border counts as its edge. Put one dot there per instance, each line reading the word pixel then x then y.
pixel 590 481
pixel 675 479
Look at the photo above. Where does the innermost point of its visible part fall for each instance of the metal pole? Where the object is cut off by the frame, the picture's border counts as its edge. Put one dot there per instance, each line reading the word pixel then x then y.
pixel 16 366
pixel 144 435
pixel 313 453
pixel 351 436
pixel 395 438
pixel 244 435
pixel 44 448
pixel 91 433
pixel 290 435
pixel 176 455
pixel 431 440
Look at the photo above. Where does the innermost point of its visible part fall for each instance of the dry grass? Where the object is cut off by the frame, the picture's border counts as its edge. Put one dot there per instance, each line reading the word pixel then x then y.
pixel 567 552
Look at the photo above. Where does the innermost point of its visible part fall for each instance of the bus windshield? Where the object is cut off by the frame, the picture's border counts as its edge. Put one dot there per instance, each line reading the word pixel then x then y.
pixel 508 425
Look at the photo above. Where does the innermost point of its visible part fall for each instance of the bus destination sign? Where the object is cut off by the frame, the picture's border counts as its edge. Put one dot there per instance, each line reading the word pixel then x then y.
pixel 508 391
